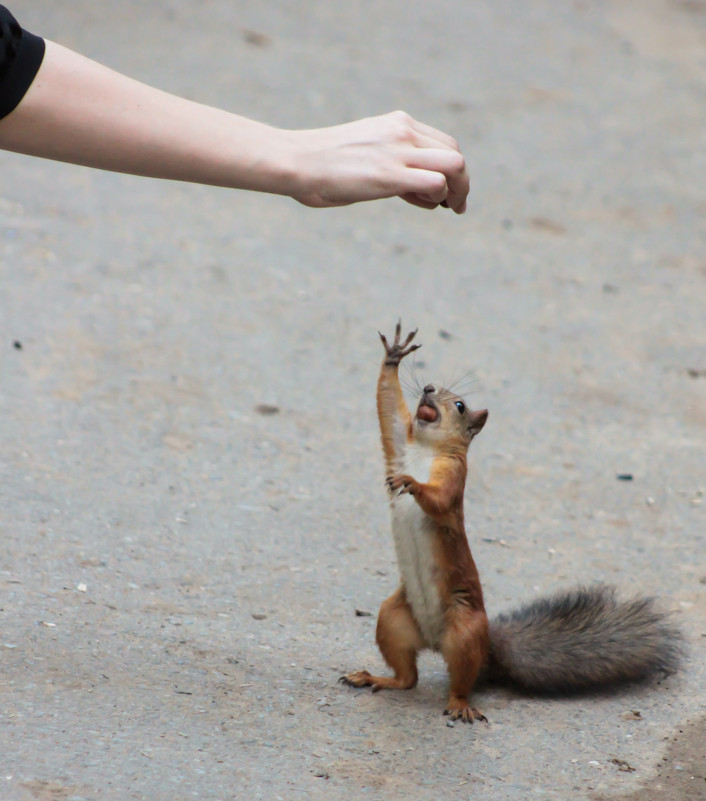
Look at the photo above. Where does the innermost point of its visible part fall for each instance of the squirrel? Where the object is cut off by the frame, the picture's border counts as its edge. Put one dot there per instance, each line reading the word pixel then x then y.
pixel 579 640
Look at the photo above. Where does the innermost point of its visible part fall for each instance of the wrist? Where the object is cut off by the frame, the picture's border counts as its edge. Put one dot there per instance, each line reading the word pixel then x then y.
pixel 280 167
pixel 289 167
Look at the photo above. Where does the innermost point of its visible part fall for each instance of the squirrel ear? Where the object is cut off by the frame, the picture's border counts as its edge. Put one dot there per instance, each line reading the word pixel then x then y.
pixel 477 421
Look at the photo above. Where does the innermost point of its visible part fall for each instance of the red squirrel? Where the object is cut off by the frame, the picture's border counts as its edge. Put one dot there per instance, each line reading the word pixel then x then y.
pixel 574 641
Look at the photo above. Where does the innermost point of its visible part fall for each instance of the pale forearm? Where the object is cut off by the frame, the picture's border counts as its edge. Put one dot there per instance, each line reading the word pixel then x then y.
pixel 82 112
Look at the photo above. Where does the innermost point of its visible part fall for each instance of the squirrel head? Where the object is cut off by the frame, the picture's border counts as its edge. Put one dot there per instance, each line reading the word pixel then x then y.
pixel 444 421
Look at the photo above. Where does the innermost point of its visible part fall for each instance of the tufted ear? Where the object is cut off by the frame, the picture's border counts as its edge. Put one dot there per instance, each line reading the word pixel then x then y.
pixel 476 421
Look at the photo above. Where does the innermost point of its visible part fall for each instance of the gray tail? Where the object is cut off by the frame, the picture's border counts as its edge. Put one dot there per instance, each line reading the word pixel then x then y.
pixel 582 640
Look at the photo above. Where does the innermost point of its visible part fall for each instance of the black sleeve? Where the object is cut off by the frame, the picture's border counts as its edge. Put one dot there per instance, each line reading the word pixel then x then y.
pixel 21 54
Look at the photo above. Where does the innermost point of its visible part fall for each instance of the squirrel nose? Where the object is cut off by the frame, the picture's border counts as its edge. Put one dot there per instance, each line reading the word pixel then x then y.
pixel 429 389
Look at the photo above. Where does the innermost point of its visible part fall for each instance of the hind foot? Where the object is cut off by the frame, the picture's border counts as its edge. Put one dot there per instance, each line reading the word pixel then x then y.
pixel 361 678
pixel 460 710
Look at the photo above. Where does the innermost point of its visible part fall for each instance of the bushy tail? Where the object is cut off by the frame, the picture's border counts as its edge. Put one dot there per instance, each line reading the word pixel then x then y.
pixel 580 640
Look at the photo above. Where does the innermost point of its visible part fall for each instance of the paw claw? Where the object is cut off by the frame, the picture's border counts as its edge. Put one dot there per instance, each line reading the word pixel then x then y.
pixel 466 714
pixel 361 678
pixel 398 350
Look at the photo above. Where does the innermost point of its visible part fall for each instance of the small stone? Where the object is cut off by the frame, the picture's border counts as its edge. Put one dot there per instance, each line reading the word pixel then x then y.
pixel 267 409
pixel 623 765
pixel 255 38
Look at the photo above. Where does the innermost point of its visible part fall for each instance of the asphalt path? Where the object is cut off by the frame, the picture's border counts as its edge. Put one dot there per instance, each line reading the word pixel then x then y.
pixel 192 487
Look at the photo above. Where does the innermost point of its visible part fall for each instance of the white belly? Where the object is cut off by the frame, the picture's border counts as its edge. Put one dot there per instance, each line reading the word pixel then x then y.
pixel 413 533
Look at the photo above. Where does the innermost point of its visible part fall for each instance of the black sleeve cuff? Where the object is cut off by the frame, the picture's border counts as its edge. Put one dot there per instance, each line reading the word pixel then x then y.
pixel 21 54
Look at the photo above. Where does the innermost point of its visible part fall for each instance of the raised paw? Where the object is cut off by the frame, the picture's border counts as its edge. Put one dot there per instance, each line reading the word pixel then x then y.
pixel 465 713
pixel 404 483
pixel 398 350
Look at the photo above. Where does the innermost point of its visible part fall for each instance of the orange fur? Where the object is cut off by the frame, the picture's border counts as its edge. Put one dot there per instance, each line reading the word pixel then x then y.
pixel 452 583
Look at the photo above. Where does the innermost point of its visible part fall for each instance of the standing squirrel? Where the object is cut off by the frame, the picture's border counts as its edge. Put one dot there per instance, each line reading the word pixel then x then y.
pixel 575 641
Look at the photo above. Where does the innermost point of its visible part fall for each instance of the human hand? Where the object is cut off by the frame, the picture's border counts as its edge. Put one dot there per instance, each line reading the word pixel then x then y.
pixel 81 112
pixel 378 157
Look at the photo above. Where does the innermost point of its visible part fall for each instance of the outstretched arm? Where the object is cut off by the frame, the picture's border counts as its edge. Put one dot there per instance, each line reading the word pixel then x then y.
pixel 393 414
pixel 79 111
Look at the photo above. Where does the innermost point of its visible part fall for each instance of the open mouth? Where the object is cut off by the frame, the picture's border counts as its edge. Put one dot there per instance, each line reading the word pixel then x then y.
pixel 427 413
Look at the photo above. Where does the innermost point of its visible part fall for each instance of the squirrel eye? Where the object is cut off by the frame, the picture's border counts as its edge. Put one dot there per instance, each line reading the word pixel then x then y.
pixel 461 406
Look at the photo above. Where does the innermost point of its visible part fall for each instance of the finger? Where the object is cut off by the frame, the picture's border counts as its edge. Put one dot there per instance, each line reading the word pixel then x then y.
pixel 460 209
pixel 423 140
pixel 452 166
pixel 455 170
pixel 423 178
pixel 459 187
pixel 435 134
pixel 415 200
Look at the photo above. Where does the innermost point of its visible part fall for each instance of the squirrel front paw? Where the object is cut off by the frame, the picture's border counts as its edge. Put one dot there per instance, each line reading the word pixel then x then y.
pixel 398 350
pixel 404 483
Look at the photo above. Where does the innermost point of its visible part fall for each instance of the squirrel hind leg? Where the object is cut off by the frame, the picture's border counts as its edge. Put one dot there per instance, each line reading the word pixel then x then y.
pixel 362 678
pixel 399 640
pixel 464 646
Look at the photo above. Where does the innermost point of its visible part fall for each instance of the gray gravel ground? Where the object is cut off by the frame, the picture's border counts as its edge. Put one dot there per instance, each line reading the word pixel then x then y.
pixel 180 571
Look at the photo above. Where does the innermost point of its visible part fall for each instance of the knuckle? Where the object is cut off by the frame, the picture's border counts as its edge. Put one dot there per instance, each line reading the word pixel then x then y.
pixel 457 163
pixel 437 185
pixel 400 126
pixel 401 116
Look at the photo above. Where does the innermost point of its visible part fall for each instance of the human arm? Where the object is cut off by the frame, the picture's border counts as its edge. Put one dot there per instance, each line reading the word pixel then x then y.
pixel 79 111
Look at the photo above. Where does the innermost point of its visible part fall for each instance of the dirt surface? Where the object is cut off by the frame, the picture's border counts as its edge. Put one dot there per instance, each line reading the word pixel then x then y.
pixel 681 773
pixel 193 505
